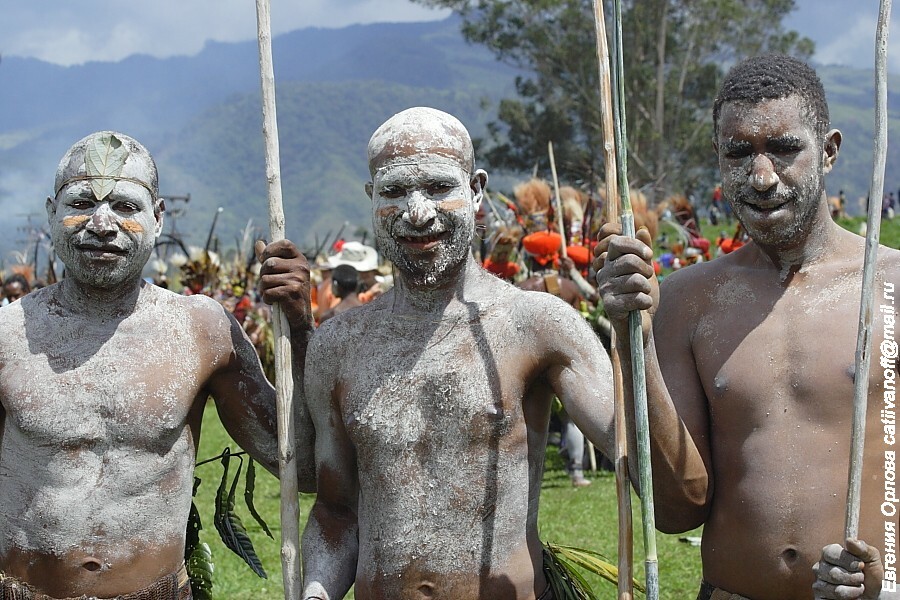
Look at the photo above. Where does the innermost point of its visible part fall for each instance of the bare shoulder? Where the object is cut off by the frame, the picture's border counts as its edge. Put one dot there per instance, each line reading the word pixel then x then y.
pixel 696 281
pixel 548 317
pixel 198 312
pixel 332 341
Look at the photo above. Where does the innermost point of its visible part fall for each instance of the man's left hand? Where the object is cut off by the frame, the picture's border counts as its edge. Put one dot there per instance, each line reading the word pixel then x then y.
pixel 284 279
pixel 851 572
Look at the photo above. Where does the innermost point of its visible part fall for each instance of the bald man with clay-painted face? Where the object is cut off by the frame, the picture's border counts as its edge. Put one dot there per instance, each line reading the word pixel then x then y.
pixel 431 403
pixel 103 382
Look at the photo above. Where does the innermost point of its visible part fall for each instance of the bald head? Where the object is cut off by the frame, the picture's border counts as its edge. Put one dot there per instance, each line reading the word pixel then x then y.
pixel 138 167
pixel 421 134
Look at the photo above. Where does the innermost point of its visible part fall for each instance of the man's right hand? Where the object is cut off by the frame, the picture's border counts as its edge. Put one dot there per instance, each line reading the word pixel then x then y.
pixel 854 571
pixel 284 279
pixel 625 276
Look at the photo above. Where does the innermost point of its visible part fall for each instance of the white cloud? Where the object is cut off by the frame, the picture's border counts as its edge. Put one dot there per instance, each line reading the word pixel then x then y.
pixel 66 32
pixel 856 44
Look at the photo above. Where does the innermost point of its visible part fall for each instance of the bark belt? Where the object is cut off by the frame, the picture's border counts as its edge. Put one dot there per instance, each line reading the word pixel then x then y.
pixel 176 586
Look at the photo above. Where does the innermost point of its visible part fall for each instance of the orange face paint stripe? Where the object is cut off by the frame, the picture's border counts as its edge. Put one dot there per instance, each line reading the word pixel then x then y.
pixel 448 205
pixel 132 226
pixel 74 221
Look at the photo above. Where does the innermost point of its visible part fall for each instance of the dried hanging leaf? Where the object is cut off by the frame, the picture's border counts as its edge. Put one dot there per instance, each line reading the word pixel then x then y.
pixel 249 488
pixel 104 158
pixel 229 525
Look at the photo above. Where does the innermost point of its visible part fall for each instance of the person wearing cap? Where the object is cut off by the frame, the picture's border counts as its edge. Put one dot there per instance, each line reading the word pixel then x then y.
pixel 362 258
pixel 344 286
pixel 103 383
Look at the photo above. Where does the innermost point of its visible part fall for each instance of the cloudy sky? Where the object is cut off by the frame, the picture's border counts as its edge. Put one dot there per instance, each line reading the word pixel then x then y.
pixel 70 32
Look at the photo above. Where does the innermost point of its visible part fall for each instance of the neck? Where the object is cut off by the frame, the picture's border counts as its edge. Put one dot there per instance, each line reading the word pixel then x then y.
pixel 114 302
pixel 434 300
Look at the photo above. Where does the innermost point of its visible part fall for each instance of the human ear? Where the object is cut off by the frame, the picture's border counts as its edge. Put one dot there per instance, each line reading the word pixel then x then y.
pixel 50 206
pixel 831 149
pixel 478 183
pixel 369 189
pixel 158 213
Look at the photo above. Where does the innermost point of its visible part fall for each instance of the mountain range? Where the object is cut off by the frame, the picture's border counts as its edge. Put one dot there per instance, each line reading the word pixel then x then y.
pixel 200 116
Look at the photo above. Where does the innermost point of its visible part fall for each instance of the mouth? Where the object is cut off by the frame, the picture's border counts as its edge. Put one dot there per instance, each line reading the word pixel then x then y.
pixel 765 206
pixel 101 252
pixel 423 242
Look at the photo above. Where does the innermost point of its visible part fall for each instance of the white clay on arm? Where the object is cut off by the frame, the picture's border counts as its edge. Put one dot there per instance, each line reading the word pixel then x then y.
pixel 330 539
pixel 580 373
pixel 245 400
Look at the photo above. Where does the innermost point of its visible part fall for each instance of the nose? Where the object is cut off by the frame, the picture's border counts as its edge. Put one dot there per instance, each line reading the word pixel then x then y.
pixel 103 221
pixel 762 173
pixel 419 211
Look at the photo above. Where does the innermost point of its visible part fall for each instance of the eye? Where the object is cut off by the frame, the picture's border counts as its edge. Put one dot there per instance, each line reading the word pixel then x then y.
pixel 786 149
pixel 737 153
pixel 81 204
pixel 439 187
pixel 128 208
pixel 392 191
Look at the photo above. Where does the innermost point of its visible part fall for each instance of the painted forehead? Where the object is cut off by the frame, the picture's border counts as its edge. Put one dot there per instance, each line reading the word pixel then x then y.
pixel 420 136
pixel 138 166
pixel 786 112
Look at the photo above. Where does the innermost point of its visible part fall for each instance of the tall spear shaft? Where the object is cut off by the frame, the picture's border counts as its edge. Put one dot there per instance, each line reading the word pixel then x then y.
pixel 558 204
pixel 623 485
pixel 284 384
pixel 642 426
pixel 867 299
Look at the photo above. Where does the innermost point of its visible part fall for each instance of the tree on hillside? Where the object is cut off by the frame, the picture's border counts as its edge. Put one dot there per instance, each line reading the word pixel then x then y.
pixel 676 52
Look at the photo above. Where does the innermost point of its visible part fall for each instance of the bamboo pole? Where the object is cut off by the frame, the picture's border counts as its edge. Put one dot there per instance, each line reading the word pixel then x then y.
pixel 636 337
pixel 558 204
pixel 867 300
pixel 623 485
pixel 287 459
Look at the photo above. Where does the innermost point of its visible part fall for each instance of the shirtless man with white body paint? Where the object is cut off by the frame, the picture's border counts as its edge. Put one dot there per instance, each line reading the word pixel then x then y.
pixel 750 360
pixel 103 382
pixel 431 403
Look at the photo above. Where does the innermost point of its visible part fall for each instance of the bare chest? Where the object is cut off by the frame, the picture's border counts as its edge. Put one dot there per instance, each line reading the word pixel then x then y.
pixel 72 388
pixel 451 388
pixel 772 357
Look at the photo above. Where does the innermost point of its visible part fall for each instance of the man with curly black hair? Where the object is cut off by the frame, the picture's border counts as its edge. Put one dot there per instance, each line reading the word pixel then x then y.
pixel 750 360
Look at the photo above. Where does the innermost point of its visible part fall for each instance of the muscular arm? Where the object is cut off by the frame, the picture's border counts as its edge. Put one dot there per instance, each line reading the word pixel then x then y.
pixel 330 539
pixel 245 400
pixel 579 371
pixel 677 406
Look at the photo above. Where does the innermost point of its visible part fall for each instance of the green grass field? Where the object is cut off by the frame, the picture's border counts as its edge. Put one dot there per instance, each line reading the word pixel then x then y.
pixel 583 517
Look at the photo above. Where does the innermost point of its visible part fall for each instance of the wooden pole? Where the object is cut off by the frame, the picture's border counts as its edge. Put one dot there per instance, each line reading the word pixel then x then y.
pixel 636 337
pixel 867 300
pixel 287 459
pixel 558 205
pixel 623 484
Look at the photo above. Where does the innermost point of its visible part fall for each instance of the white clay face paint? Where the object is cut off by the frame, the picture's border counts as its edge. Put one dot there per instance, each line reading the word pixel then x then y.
pixel 414 231
pixel 774 194
pixel 104 242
